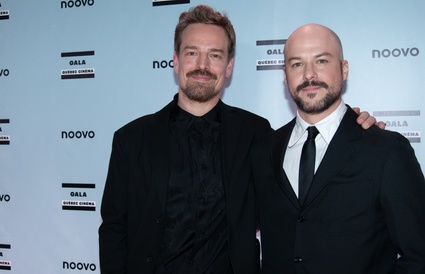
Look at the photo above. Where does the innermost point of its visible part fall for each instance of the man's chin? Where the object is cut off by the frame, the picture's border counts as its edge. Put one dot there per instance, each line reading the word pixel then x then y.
pixel 200 96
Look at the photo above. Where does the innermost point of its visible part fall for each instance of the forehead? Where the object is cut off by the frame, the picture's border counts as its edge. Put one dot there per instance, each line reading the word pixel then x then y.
pixel 312 42
pixel 200 35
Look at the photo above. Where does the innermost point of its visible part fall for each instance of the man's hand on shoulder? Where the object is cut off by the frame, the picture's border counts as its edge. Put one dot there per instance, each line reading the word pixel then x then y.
pixel 366 121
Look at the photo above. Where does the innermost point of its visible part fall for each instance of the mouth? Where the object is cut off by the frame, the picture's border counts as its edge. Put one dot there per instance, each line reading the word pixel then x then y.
pixel 201 78
pixel 311 88
pixel 201 75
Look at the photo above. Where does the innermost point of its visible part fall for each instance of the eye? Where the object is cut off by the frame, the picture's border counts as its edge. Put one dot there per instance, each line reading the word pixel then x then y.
pixel 296 65
pixel 190 52
pixel 322 61
pixel 215 56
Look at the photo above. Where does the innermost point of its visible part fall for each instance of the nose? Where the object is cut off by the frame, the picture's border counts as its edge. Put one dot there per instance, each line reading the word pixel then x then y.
pixel 309 72
pixel 203 62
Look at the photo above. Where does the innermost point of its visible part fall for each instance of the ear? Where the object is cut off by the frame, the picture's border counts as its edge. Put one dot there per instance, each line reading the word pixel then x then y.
pixel 229 68
pixel 284 75
pixel 344 70
pixel 175 63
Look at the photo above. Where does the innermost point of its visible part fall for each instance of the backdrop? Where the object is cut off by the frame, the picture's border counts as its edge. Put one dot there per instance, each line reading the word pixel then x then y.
pixel 74 71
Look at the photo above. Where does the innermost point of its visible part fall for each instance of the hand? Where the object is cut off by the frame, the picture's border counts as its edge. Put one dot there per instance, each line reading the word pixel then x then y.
pixel 366 121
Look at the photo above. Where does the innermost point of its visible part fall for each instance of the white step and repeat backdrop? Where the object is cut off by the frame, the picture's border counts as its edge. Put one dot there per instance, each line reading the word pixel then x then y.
pixel 74 71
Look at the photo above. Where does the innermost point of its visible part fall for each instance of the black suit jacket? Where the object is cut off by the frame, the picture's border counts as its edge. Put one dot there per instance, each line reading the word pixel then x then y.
pixel 134 198
pixel 366 204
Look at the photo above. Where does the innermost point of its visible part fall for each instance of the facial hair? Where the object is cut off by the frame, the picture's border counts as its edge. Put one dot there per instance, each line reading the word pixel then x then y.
pixel 332 95
pixel 200 91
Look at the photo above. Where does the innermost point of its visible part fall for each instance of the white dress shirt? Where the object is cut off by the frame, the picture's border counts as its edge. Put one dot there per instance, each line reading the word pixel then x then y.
pixel 327 128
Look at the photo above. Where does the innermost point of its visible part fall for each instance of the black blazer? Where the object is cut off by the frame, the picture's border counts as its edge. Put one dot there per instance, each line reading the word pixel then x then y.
pixel 366 204
pixel 134 198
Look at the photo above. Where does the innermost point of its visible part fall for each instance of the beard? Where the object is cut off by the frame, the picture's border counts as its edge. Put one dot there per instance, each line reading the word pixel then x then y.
pixel 200 91
pixel 332 95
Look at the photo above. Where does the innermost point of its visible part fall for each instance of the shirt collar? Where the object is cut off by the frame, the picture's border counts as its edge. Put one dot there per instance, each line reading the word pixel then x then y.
pixel 327 127
pixel 212 117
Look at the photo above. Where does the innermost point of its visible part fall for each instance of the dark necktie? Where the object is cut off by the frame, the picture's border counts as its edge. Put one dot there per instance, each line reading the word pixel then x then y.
pixel 308 157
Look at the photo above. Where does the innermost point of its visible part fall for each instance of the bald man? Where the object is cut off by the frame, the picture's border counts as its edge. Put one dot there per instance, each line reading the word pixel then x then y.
pixel 362 209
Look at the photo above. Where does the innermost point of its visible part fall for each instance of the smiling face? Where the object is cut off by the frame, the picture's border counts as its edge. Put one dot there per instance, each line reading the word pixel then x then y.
pixel 203 62
pixel 315 70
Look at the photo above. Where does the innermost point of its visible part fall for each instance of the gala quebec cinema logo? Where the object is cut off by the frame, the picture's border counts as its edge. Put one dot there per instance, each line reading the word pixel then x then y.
pixel 78 194
pixel 271 54
pixel 4 264
pixel 157 3
pixel 4 139
pixel 77 61
pixel 4 14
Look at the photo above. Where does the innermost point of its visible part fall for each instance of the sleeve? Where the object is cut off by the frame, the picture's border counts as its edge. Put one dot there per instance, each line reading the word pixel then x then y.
pixel 112 231
pixel 403 203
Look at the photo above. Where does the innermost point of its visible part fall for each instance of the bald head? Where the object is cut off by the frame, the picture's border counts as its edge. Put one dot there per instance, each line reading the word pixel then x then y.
pixel 314 34
pixel 315 70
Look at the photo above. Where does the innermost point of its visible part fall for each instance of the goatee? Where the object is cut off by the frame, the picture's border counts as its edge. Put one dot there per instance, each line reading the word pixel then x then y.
pixel 320 106
pixel 200 91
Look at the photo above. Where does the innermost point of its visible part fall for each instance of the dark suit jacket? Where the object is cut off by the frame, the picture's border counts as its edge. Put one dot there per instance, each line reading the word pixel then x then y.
pixel 134 198
pixel 366 204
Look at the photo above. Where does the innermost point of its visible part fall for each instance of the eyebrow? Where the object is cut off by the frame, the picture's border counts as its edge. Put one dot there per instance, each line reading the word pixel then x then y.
pixel 209 50
pixel 316 56
pixel 323 54
pixel 216 50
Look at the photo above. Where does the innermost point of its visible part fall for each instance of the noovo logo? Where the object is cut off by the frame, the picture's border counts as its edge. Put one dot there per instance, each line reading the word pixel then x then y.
pixel 77 134
pixel 163 64
pixel 4 198
pixel 4 72
pixel 79 266
pixel 402 52
pixel 76 3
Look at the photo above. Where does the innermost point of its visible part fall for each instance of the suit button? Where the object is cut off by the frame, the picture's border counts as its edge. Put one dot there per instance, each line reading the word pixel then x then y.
pixel 149 259
pixel 298 259
pixel 159 221
pixel 301 219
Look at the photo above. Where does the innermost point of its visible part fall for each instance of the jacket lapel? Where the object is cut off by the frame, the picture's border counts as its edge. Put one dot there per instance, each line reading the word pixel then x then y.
pixel 277 154
pixel 231 126
pixel 338 155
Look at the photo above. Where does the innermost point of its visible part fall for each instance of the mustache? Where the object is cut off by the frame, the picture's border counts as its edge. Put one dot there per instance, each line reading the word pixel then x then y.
pixel 312 83
pixel 202 72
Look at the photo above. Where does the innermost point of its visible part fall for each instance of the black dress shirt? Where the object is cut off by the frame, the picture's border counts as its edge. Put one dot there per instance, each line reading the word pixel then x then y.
pixel 194 238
